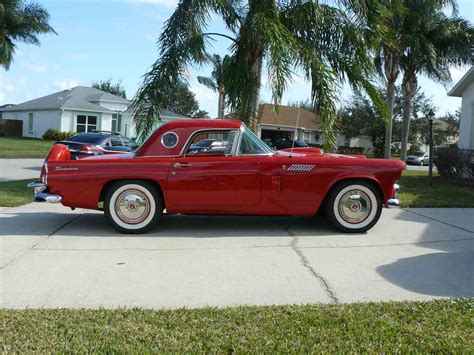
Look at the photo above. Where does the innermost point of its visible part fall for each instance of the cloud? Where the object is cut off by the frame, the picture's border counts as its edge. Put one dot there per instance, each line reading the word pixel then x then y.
pixel 167 3
pixel 66 84
pixel 204 94
pixel 38 68
pixel 7 85
pixel 2 97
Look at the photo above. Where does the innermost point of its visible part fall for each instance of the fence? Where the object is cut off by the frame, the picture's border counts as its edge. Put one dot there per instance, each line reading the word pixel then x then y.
pixel 11 128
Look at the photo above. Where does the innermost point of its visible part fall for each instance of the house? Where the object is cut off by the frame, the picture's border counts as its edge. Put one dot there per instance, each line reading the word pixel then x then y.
pixel 465 89
pixel 80 109
pixel 273 125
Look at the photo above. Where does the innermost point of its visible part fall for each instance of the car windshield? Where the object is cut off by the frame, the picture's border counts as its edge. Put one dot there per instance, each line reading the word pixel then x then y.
pixel 251 144
pixel 88 138
pixel 419 154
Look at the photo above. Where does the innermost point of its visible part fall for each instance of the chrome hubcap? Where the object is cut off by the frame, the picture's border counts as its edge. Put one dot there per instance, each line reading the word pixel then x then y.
pixel 132 206
pixel 354 206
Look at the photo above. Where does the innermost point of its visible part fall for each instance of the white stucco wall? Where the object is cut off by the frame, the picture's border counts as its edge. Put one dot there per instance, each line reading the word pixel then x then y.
pixel 42 121
pixel 362 142
pixel 466 126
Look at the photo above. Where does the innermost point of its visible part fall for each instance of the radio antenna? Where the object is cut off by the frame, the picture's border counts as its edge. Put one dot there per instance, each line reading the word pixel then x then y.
pixel 296 133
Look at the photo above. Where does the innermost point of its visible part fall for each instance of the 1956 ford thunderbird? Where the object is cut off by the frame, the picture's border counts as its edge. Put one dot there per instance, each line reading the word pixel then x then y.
pixel 219 167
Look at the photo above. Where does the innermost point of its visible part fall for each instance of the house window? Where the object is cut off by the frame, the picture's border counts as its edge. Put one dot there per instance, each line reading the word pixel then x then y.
pixel 86 123
pixel 30 123
pixel 306 137
pixel 116 122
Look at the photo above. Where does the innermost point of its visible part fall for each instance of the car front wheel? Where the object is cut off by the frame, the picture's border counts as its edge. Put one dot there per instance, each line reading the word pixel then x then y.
pixel 354 206
pixel 132 206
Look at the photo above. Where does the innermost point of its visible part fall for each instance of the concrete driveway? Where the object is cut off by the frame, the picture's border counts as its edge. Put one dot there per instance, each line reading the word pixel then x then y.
pixel 54 257
pixel 19 169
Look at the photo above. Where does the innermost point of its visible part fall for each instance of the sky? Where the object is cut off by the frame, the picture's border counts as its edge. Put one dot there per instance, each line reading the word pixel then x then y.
pixel 116 39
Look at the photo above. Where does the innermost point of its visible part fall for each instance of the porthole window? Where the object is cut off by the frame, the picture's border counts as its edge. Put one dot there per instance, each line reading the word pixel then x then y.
pixel 169 140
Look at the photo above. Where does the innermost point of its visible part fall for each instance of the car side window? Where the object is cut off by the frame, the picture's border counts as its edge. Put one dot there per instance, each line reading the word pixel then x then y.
pixel 250 144
pixel 129 143
pixel 106 143
pixel 115 141
pixel 211 143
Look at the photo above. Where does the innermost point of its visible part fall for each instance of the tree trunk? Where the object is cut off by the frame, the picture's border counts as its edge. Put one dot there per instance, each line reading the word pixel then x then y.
pixel 221 103
pixel 257 71
pixel 409 87
pixel 391 67
pixel 389 125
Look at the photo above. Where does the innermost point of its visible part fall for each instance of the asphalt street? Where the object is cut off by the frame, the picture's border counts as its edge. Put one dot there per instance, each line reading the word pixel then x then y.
pixel 54 257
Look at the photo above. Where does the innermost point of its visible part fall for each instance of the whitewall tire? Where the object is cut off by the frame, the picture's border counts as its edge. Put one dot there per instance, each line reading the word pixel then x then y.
pixel 132 206
pixel 354 206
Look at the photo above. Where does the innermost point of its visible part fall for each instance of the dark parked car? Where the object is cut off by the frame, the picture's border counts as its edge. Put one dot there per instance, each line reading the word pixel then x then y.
pixel 97 143
pixel 288 143
pixel 207 145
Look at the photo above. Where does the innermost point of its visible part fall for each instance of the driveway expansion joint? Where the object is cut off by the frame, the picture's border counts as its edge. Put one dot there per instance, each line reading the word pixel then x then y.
pixel 33 247
pixel 304 261
pixel 437 220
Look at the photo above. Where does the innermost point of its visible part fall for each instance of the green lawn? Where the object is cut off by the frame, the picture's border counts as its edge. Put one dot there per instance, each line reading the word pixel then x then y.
pixel 15 147
pixel 436 326
pixel 15 193
pixel 415 191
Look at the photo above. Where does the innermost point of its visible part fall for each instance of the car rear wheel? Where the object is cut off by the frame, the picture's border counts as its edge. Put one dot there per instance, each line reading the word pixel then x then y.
pixel 354 206
pixel 132 206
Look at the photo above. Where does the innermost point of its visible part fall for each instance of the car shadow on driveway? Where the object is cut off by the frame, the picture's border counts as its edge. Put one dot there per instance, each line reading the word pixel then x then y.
pixel 176 226
pixel 449 273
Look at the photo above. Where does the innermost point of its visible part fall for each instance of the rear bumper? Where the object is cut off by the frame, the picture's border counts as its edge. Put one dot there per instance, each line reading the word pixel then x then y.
pixel 394 201
pixel 42 195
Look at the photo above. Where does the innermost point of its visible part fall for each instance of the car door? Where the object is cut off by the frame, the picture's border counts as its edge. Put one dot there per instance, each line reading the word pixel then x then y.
pixel 216 177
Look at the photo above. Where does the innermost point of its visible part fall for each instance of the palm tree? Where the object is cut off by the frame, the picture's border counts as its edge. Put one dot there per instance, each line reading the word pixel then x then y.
pixel 388 50
pixel 216 81
pixel 438 42
pixel 20 22
pixel 325 42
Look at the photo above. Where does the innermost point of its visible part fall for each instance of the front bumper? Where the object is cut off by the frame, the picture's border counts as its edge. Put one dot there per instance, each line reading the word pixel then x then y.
pixel 41 194
pixel 394 201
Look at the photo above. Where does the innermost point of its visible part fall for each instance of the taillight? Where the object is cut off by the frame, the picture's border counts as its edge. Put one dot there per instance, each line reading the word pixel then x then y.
pixel 44 173
pixel 86 149
pixel 89 150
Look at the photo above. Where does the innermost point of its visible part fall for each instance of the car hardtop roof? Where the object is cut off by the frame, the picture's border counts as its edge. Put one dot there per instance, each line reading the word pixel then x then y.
pixel 202 123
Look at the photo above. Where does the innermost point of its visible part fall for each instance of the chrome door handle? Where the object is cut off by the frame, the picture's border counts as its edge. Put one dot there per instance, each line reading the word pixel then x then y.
pixel 181 165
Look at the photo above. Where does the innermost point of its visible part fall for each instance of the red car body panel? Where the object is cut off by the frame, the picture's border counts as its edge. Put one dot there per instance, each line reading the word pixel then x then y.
pixel 241 184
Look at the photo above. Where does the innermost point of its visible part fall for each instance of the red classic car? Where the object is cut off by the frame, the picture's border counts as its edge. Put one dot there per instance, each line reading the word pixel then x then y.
pixel 239 175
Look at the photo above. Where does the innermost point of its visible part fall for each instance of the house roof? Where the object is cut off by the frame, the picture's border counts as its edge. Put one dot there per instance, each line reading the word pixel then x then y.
pixel 462 84
pixel 82 98
pixel 163 113
pixel 287 116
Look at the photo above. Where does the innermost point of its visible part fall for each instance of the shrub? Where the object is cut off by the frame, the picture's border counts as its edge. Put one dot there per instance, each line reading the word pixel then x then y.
pixel 53 134
pixel 454 162
pixel 350 150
